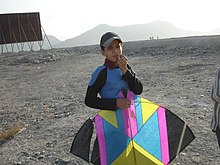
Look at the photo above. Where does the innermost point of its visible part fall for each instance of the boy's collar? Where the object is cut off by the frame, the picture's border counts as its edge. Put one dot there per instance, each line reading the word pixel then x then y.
pixel 109 64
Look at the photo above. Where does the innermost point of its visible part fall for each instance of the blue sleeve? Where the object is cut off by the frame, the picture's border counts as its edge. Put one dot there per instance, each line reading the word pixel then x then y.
pixel 95 74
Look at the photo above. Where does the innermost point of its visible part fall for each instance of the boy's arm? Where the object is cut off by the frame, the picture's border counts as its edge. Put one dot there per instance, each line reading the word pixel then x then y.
pixel 92 100
pixel 134 83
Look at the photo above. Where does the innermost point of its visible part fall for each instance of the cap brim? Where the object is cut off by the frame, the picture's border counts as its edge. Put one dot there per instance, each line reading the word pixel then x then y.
pixel 109 41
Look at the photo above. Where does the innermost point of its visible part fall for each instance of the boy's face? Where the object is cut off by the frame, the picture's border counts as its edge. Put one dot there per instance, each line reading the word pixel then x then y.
pixel 113 52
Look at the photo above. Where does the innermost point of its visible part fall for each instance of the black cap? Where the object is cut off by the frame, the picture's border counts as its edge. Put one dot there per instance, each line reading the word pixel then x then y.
pixel 107 39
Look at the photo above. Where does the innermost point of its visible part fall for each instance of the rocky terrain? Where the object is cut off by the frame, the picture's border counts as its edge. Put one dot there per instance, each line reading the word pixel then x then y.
pixel 42 93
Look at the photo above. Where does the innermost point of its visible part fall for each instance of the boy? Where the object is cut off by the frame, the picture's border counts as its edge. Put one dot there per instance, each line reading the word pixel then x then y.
pixel 113 76
pixel 215 95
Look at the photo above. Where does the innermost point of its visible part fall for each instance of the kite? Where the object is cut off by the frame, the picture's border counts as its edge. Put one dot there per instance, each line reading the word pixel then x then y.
pixel 145 133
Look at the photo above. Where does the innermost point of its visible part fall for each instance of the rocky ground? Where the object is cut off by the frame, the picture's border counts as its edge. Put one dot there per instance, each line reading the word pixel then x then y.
pixel 43 92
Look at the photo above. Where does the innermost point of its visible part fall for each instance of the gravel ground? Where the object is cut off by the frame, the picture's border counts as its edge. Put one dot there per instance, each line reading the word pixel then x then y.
pixel 44 91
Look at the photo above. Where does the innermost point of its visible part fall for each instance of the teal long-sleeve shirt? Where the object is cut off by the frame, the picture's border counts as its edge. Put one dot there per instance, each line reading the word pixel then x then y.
pixel 106 83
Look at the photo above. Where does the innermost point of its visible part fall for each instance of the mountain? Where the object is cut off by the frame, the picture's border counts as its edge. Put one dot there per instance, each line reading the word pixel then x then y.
pixel 53 41
pixel 48 42
pixel 156 29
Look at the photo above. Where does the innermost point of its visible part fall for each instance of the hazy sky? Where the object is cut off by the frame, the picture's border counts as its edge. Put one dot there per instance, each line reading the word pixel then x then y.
pixel 66 19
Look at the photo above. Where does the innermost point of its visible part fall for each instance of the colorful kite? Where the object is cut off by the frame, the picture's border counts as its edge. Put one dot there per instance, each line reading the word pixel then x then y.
pixel 145 133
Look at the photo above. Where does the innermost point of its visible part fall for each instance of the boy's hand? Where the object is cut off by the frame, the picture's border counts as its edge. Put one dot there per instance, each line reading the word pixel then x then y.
pixel 123 103
pixel 122 62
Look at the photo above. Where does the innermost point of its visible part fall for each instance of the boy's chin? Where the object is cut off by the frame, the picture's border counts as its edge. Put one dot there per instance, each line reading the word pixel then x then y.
pixel 113 60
